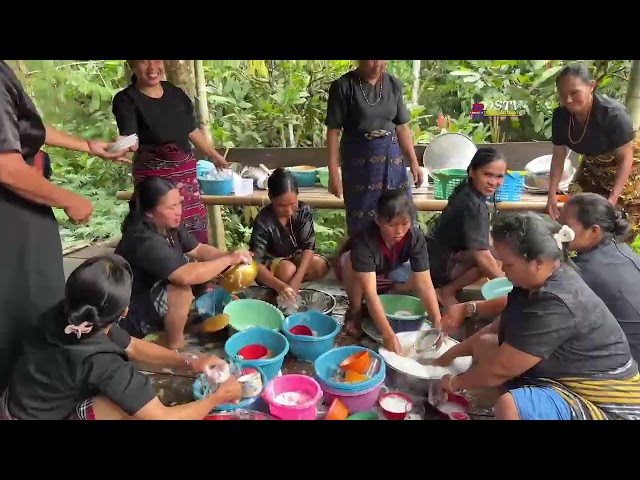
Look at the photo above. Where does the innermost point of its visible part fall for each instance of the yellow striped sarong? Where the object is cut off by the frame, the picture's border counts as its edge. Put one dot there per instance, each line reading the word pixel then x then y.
pixel 597 399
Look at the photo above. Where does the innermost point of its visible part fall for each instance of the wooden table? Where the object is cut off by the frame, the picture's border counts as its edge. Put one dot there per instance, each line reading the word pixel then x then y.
pixel 319 197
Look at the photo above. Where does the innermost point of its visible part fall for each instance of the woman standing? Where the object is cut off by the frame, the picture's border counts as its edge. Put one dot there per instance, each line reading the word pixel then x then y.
pixel 162 116
pixel 599 128
pixel 366 105
pixel 31 273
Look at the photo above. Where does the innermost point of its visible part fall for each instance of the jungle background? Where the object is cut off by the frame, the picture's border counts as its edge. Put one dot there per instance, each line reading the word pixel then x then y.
pixel 282 103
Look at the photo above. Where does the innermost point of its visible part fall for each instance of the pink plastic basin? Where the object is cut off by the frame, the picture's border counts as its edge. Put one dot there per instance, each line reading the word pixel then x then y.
pixel 298 384
pixel 355 401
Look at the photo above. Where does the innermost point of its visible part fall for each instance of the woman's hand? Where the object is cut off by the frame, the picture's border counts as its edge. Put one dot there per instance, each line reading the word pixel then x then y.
pixel 219 161
pixel 203 364
pixel 98 148
pixel 390 342
pixel 445 359
pixel 447 385
pixel 418 175
pixel 78 208
pixel 453 318
pixel 240 256
pixel 229 391
pixel 288 293
pixel 335 183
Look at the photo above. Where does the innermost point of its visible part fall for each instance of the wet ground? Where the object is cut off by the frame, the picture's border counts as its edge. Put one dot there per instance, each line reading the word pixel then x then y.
pixel 174 387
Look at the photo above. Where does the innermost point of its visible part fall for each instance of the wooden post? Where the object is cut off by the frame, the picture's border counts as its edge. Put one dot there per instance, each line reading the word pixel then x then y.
pixel 214 212
pixel 633 93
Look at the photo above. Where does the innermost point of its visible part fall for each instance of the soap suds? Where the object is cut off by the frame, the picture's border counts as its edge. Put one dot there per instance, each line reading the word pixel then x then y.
pixel 292 399
pixel 404 313
pixel 395 404
pixel 406 362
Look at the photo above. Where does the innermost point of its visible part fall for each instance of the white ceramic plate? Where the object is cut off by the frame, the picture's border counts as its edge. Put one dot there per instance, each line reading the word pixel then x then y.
pixel 123 144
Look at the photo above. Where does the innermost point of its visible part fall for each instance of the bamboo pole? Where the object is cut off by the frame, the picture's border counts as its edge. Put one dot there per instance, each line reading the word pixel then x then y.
pixel 215 225
pixel 632 100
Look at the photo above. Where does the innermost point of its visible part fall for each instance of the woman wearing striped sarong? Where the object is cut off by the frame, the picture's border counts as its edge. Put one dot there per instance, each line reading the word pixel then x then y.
pixel 556 350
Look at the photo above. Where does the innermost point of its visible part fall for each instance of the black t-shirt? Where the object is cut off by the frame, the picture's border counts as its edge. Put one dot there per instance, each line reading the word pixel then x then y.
pixel 612 271
pixel 566 325
pixel 464 222
pixel 153 256
pixel 270 239
pixel 348 109
pixel 157 121
pixel 369 253
pixel 609 127
pixel 57 371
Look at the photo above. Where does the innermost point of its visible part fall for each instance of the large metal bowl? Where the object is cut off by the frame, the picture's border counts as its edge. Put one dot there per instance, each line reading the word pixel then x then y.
pixel 404 382
pixel 313 299
pixel 448 150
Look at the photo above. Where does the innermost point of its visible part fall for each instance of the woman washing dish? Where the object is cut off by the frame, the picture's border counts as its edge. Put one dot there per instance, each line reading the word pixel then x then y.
pixel 162 116
pixel 601 130
pixel 459 245
pixel 393 245
pixel 31 273
pixel 78 363
pixel 283 239
pixel 159 250
pixel 555 351
pixel 366 106
pixel 611 269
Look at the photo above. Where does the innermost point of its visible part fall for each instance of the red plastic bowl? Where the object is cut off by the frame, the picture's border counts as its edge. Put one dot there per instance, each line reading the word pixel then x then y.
pixel 253 352
pixel 300 330
pixel 393 415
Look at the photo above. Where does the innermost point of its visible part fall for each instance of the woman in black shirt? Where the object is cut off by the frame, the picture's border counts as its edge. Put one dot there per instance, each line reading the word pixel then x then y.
pixel 611 269
pixel 366 105
pixel 31 272
pixel 162 116
pixel 159 250
pixel 601 130
pixel 555 351
pixel 283 239
pixel 459 245
pixel 77 363
pixel 386 246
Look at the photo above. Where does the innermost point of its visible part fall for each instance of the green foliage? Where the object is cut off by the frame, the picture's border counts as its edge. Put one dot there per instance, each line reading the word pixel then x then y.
pixel 278 103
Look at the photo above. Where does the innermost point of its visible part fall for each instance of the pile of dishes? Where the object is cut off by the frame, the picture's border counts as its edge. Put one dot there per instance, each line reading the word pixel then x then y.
pixel 537 179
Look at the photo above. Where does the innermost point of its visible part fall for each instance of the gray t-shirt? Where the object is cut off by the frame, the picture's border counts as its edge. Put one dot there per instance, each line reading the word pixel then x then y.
pixel 612 271
pixel 569 327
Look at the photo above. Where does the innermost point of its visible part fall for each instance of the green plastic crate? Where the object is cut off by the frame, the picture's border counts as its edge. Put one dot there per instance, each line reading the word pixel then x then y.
pixel 445 180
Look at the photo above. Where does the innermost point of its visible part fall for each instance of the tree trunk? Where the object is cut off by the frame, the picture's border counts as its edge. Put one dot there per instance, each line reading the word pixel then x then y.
pixel 180 73
pixel 633 93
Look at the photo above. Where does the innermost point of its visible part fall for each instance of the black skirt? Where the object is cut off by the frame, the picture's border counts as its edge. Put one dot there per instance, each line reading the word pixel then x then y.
pixel 31 272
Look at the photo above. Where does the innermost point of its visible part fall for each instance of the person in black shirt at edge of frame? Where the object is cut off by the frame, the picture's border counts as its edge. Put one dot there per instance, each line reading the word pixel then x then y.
pixel 555 351
pixel 31 270
pixel 611 269
pixel 283 239
pixel 395 246
pixel 460 243
pixel 159 249
pixel 601 130
pixel 78 363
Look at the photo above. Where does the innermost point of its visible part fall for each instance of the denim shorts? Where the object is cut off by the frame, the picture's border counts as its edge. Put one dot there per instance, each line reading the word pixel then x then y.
pixel 540 403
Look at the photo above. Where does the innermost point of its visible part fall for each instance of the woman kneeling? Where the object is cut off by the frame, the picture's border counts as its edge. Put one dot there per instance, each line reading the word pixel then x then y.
pixel 390 246
pixel 159 250
pixel 283 239
pixel 77 363
pixel 556 349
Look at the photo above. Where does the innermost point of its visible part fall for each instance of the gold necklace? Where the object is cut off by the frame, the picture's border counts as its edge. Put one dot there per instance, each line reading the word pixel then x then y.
pixel 586 124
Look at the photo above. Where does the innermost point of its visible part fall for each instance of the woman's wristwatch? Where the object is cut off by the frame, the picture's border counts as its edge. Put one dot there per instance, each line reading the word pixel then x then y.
pixel 472 308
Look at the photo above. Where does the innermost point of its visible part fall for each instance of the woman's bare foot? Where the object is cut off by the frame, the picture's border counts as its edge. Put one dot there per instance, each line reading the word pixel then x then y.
pixel 353 322
pixel 446 297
